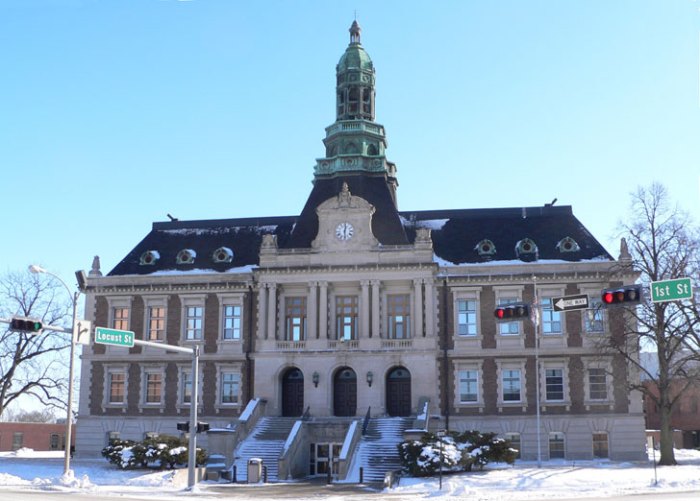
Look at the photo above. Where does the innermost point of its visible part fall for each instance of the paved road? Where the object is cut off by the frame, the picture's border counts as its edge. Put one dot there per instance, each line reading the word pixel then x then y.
pixel 298 491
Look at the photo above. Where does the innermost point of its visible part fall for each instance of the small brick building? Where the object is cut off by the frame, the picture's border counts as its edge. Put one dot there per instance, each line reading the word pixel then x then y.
pixel 37 436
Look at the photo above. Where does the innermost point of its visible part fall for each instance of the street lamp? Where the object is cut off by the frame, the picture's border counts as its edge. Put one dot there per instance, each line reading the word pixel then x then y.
pixel 74 331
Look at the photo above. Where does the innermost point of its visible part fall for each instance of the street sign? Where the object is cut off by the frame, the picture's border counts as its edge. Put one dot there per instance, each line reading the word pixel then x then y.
pixel 81 332
pixel 671 290
pixel 114 337
pixel 568 303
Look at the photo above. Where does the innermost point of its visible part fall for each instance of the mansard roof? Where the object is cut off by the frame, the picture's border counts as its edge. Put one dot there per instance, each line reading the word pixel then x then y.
pixel 455 235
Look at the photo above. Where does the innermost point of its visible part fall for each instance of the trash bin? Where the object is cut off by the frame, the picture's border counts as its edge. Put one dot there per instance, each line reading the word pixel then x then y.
pixel 255 470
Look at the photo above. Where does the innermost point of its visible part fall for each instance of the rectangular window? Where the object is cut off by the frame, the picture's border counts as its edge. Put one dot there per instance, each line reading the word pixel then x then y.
pixel 346 310
pixel 554 384
pixel 399 316
pixel 17 440
pixel 514 439
pixel 593 317
pixel 117 387
pixel 466 317
pixel 154 387
pixel 232 322
pixel 551 320
pixel 468 386
pixel 508 328
pixel 156 323
pixel 112 436
pixel 557 449
pixel 120 318
pixel 193 322
pixel 54 442
pixel 186 387
pixel 511 385
pixel 295 319
pixel 597 384
pixel 600 445
pixel 230 387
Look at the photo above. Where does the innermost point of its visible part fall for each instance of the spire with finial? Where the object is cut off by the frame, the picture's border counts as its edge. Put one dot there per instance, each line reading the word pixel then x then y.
pixel 355 31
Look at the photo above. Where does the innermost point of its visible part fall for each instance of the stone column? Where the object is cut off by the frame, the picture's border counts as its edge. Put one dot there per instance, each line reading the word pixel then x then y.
pixel 375 309
pixel 323 310
pixel 262 311
pixel 364 310
pixel 313 311
pixel 418 307
pixel 272 311
pixel 430 311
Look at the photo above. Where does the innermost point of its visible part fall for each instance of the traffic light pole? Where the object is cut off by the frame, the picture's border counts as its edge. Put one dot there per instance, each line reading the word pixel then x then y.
pixel 192 444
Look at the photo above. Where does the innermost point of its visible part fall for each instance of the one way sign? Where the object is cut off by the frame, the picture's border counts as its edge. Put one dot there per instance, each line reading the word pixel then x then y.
pixel 567 303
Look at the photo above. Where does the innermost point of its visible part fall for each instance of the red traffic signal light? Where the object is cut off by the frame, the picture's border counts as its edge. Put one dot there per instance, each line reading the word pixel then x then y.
pixel 512 312
pixel 21 324
pixel 631 294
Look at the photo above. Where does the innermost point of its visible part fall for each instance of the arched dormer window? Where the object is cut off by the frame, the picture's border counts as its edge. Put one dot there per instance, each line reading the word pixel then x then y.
pixel 372 150
pixel 526 249
pixel 185 256
pixel 351 148
pixel 149 258
pixel 568 244
pixel 222 255
pixel 485 248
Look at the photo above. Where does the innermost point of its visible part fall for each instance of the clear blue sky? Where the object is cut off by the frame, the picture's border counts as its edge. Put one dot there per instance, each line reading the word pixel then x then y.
pixel 114 113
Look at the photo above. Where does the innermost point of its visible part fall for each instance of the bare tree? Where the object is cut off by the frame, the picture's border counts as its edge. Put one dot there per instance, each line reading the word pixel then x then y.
pixel 663 244
pixel 44 415
pixel 33 365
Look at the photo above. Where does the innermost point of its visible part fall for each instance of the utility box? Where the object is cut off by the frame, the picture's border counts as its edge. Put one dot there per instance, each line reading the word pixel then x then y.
pixel 255 466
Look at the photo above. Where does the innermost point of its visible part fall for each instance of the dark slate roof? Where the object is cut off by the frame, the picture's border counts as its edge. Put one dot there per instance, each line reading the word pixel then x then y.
pixel 386 223
pixel 455 233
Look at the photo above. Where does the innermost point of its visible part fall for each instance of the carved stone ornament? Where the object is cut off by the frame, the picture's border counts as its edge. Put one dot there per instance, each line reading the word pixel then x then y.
pixel 269 241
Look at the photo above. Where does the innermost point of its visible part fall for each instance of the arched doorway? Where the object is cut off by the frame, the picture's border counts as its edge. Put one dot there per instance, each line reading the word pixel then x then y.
pixel 345 392
pixel 398 392
pixel 293 392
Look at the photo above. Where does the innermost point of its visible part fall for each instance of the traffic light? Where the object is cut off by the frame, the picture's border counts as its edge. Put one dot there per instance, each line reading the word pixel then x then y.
pixel 512 312
pixel 202 427
pixel 630 294
pixel 184 427
pixel 21 324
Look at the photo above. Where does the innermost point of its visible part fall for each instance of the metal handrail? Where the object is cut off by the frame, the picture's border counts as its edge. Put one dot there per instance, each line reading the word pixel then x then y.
pixel 365 423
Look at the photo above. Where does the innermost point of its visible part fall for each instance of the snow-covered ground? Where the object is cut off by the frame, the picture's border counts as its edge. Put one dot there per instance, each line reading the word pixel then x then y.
pixel 524 481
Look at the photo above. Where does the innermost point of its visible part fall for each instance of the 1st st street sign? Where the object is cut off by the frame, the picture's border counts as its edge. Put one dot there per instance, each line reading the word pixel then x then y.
pixel 568 303
pixel 671 290
pixel 114 337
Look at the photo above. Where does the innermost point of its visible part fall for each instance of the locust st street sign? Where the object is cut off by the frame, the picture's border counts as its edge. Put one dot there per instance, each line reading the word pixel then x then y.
pixel 567 303
pixel 114 337
pixel 671 290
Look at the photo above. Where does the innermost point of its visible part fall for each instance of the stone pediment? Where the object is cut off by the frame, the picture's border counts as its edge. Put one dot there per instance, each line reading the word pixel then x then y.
pixel 345 223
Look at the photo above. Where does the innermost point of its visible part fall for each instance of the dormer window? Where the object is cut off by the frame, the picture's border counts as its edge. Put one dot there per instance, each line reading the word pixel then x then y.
pixel 526 248
pixel 185 256
pixel 149 258
pixel 568 244
pixel 485 248
pixel 222 255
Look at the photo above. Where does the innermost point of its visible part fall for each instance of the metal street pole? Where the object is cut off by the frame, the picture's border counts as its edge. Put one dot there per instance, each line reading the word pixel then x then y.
pixel 537 311
pixel 71 366
pixel 192 446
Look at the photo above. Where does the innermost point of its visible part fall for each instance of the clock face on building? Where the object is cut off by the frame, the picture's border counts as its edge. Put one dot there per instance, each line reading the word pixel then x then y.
pixel 344 231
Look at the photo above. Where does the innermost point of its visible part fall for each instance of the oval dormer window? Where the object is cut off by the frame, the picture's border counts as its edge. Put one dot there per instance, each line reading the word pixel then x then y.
pixel 185 256
pixel 223 255
pixel 149 258
pixel 485 248
pixel 568 244
pixel 525 247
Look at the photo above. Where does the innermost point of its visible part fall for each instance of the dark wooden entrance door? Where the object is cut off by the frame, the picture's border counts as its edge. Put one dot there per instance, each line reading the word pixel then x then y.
pixel 293 393
pixel 345 392
pixel 398 392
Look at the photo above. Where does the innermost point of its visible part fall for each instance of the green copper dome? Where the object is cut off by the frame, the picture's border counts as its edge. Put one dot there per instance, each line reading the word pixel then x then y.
pixel 355 56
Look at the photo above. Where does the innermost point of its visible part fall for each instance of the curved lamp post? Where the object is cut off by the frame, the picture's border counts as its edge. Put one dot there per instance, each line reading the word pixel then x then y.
pixel 69 412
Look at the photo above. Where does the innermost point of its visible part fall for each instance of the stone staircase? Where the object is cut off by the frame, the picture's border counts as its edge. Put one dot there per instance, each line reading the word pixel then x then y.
pixel 265 442
pixel 377 451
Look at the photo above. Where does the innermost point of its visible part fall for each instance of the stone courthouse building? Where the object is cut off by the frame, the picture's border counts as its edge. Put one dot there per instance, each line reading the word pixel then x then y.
pixel 356 308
